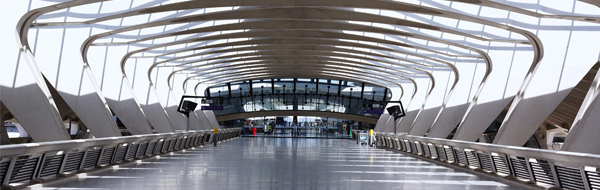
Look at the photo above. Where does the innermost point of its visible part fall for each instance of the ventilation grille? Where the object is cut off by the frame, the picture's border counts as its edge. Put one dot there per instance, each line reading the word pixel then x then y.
pixel 570 178
pixel 426 150
pixel 500 164
pixel 594 179
pixel 51 165
pixel 131 151
pixel 432 151
pixel 419 148
pixel 520 168
pixel 73 161
pixel 106 156
pixel 472 159
pixel 158 147
pixel 120 155
pixel 23 170
pixel 142 150
pixel 460 155
pixel 486 162
pixel 91 159
pixel 449 154
pixel 440 152
pixel 3 168
pixel 542 171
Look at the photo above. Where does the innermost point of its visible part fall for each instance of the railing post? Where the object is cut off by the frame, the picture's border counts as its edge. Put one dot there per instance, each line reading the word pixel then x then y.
pixel 584 177
pixel 38 166
pixel 531 175
pixel 554 174
pixel 9 170
pixel 62 164
pixel 102 148
pixel 478 159
pixel 494 169
pixel 509 165
pixel 85 153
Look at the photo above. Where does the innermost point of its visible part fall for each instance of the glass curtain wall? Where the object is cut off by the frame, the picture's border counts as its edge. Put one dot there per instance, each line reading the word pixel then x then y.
pixel 300 94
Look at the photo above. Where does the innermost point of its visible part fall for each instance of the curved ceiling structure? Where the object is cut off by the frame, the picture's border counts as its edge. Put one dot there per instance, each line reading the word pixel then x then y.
pixel 453 63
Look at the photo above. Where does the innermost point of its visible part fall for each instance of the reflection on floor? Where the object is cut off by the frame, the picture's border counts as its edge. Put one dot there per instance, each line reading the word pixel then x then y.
pixel 283 163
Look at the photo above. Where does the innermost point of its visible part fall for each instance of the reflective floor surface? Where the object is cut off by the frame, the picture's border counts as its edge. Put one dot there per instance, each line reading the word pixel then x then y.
pixel 283 163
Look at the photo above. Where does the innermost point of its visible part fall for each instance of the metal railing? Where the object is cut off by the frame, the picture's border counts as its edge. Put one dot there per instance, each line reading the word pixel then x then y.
pixel 30 163
pixel 545 168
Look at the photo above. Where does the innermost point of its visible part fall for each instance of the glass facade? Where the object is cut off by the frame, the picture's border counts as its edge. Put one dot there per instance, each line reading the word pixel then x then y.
pixel 299 94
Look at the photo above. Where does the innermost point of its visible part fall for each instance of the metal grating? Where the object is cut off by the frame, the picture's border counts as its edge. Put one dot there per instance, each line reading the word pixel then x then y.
pixel 23 170
pixel 73 161
pixel 165 146
pixel 401 144
pixel 472 159
pixel 413 148
pixel 3 168
pixel 520 168
pixel 500 164
pixel 449 154
pixel 106 156
pixel 570 178
pixel 426 150
pixel 130 155
pixel 419 148
pixel 433 151
pixel 178 144
pixel 440 152
pixel 486 162
pixel 208 138
pixel 141 150
pixel 172 145
pixel 460 156
pixel 91 159
pixel 150 148
pixel 184 142
pixel 51 165
pixel 594 179
pixel 542 172
pixel 193 141
pixel 158 147
pixel 120 154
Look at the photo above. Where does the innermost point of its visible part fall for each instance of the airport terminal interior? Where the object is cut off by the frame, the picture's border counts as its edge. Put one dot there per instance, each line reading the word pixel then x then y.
pixel 300 94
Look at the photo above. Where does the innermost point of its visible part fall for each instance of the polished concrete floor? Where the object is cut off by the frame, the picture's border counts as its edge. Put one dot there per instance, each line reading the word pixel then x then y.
pixel 283 163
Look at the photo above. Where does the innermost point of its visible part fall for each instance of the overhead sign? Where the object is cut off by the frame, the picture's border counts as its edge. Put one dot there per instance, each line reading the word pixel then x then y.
pixel 210 101
pixel 215 108
pixel 372 112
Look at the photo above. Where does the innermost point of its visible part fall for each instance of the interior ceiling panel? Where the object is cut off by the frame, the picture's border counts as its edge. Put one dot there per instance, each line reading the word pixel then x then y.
pixel 278 37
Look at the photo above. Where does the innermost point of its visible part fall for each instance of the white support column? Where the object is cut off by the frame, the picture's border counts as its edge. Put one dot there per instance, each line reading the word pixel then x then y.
pixel 383 119
pixel 22 87
pixel 158 117
pixel 583 135
pixel 204 123
pixel 129 111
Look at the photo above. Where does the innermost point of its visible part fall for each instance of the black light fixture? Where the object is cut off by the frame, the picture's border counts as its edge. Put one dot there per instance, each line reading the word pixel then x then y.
pixel 188 106
pixel 397 112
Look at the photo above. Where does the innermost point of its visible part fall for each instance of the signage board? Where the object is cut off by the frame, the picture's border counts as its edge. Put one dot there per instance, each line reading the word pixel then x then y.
pixel 215 108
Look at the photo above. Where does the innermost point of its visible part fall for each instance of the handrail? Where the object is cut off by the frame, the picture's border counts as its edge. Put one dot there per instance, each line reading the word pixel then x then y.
pixel 569 170
pixel 30 163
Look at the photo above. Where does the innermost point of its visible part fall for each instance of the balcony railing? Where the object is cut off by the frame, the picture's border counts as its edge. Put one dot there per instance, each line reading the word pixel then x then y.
pixel 30 163
pixel 567 170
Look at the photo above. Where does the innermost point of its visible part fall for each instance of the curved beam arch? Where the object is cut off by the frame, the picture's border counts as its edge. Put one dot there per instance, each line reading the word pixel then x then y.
pixel 303 56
